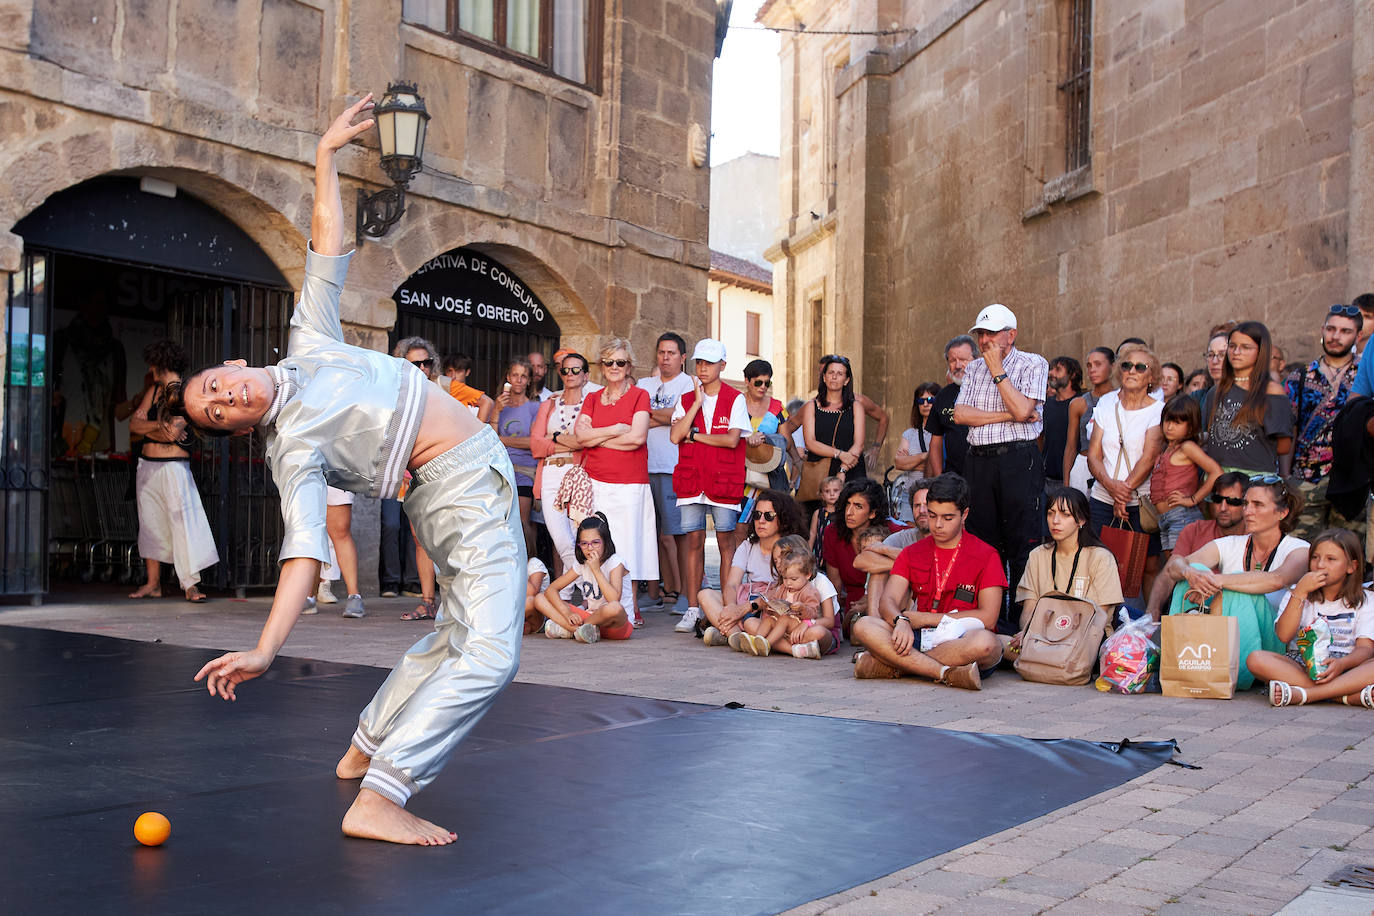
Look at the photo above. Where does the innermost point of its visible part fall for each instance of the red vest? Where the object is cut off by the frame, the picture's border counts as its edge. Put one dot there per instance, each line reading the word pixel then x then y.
pixel 709 469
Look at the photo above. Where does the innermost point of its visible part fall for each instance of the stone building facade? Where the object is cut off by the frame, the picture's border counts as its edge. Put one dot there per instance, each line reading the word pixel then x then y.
pixel 1222 168
pixel 592 189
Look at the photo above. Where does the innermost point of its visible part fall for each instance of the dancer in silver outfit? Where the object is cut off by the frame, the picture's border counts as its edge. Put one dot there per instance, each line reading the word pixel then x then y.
pixel 356 419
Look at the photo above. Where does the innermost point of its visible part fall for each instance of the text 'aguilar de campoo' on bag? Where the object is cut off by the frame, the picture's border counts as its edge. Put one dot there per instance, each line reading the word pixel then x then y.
pixel 1060 642
pixel 1199 656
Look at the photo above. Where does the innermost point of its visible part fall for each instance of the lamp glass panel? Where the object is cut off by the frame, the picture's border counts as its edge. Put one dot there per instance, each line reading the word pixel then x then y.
pixel 386 129
pixel 407 133
pixel 421 126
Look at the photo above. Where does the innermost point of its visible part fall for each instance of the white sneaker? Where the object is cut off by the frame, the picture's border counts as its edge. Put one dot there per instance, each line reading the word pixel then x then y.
pixel 688 623
pixel 714 637
pixel 555 630
pixel 810 649
pixel 739 641
pixel 587 633
pixel 325 595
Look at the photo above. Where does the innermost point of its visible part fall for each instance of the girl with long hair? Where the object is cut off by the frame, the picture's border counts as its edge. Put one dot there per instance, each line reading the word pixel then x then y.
pixel 1249 420
pixel 831 423
pixel 1073 560
pixel 602 584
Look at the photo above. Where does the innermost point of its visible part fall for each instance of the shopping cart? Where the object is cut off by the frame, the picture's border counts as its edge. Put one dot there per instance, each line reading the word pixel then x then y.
pixel 71 530
pixel 117 519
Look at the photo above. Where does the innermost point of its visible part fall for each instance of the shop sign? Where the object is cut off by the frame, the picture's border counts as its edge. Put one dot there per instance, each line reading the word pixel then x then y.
pixel 469 287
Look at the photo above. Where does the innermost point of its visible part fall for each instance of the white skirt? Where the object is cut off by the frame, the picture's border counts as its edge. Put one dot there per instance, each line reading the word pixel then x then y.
pixel 629 508
pixel 560 527
pixel 172 527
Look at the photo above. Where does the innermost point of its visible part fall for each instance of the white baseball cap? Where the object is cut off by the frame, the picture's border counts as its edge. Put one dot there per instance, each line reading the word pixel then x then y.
pixel 994 318
pixel 709 350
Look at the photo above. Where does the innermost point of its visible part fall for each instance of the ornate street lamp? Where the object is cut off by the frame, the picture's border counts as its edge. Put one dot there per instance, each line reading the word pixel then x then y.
pixel 401 122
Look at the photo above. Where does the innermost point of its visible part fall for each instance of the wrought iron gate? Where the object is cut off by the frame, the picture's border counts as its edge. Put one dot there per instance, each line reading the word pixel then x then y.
pixel 24 475
pixel 230 322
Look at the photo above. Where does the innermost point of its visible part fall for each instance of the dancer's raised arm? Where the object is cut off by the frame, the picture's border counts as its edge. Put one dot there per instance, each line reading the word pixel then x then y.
pixel 327 219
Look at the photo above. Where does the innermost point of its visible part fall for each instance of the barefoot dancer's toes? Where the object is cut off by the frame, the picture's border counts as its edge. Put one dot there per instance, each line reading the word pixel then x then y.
pixel 353 765
pixel 373 817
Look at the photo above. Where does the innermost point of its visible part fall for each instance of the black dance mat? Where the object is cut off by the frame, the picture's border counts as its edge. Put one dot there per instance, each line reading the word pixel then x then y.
pixel 564 801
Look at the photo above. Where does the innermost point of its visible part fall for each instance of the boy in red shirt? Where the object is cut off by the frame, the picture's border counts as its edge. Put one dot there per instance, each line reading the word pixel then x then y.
pixel 950 576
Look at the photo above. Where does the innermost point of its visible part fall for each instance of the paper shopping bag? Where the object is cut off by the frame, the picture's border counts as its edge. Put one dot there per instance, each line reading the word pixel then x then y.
pixel 1199 656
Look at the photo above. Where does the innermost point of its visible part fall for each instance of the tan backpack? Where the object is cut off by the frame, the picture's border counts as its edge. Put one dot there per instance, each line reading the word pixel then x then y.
pixel 1060 642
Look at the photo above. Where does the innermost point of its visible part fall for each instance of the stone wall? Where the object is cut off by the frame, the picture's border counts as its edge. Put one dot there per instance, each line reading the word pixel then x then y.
pixel 1220 183
pixel 592 195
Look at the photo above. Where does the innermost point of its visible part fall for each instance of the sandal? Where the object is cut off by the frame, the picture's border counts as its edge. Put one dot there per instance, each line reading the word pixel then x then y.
pixel 427 610
pixel 669 598
pixel 1281 694
pixel 195 595
pixel 1366 698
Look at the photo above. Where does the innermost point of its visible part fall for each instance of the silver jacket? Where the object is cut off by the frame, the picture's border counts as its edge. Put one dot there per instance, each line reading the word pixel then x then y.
pixel 342 415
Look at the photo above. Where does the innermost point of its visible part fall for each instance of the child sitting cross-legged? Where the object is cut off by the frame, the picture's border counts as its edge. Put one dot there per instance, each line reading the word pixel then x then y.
pixel 603 582
pixel 789 613
pixel 1328 622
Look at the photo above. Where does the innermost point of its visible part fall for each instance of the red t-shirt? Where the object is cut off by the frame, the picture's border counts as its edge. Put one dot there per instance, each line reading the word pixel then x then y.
pixel 1195 536
pixel 976 567
pixel 840 554
pixel 606 464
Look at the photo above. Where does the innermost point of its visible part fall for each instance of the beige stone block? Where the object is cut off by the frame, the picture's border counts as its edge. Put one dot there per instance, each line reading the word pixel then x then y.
pixel 1290 200
pixel 75 34
pixel 526 148
pixel 648 14
pixel 212 59
pixel 1125 38
pixel 289 55
pixel 1223 70
pixel 1264 103
pixel 1194 230
pixel 659 138
pixel 1307 28
pixel 11 252
pixel 1245 265
pixel 1326 75
pixel 1185 140
pixel 1149 200
pixel 1318 134
pixel 1225 171
pixel 143 42
pixel 486 128
pixel 1230 18
pixel 1318 246
pixel 16 23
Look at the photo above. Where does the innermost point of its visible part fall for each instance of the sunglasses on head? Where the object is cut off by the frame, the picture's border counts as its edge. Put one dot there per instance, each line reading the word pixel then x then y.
pixel 570 370
pixel 1216 500
pixel 835 358
pixel 1135 367
pixel 618 363
pixel 762 383
pixel 767 516
pixel 1270 480
pixel 423 363
pixel 1349 311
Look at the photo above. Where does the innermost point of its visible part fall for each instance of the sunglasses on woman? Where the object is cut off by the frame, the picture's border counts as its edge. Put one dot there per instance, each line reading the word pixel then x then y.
pixel 570 370
pixel 925 400
pixel 423 363
pixel 762 383
pixel 1135 367
pixel 767 516
pixel 618 363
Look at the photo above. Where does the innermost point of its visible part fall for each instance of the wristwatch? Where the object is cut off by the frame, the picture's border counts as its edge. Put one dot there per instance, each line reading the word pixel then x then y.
pixel 999 379
pixel 903 617
pixel 692 434
pixel 555 435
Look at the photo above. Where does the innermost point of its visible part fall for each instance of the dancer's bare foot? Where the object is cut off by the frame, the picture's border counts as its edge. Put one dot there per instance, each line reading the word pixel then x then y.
pixel 148 590
pixel 374 817
pixel 353 765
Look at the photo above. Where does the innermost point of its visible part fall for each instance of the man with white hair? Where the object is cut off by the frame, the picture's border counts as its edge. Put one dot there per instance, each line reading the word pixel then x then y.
pixel 1000 403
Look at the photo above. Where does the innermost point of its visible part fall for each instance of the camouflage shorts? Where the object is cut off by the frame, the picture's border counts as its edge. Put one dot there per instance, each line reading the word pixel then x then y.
pixel 1318 514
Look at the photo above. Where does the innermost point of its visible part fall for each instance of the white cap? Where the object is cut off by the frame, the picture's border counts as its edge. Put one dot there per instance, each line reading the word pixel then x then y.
pixel 994 318
pixel 709 350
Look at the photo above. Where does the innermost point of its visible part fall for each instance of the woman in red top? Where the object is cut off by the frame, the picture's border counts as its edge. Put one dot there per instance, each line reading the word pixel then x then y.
pixel 614 431
pixel 862 503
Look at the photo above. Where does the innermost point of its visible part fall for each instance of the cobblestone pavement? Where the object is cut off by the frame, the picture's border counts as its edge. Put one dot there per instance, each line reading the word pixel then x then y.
pixel 1284 797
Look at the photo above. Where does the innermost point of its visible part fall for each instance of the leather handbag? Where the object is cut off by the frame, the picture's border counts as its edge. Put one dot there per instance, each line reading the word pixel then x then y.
pixel 1149 518
pixel 814 472
pixel 1129 547
pixel 1060 642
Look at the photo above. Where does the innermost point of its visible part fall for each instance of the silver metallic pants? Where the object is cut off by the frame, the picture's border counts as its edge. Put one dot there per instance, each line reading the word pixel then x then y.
pixel 464 510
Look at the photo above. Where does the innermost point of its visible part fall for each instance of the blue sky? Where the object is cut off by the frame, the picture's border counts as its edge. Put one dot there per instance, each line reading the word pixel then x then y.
pixel 745 99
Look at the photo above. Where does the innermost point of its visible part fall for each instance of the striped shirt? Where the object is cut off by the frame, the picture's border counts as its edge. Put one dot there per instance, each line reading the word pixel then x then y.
pixel 1028 373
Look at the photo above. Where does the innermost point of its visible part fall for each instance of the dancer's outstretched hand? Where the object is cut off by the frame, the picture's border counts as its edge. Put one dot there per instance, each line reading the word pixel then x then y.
pixel 343 130
pixel 225 673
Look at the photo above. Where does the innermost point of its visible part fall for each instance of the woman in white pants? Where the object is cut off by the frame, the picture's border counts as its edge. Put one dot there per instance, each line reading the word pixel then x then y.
pixel 554 443
pixel 172 527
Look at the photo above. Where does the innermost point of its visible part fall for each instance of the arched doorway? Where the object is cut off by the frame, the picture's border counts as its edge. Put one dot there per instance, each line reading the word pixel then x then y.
pixel 110 265
pixel 466 301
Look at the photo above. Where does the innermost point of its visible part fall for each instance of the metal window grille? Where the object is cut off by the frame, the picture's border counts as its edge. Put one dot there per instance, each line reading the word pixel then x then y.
pixel 24 479
pixel 1077 85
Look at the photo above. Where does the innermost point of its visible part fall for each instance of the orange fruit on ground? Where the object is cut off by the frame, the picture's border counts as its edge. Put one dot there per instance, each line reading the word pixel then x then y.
pixel 152 829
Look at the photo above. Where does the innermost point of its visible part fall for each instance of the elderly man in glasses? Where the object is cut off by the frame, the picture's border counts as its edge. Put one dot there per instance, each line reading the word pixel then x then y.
pixel 1317 392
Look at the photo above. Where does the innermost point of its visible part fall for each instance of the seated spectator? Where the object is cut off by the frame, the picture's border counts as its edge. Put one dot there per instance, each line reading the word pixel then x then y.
pixel 790 616
pixel 602 587
pixel 1249 575
pixel 876 559
pixel 536 575
pixel 1248 418
pixel 1227 502
pixel 1073 561
pixel 1330 591
pixel 776 515
pixel 950 576
pixel 862 503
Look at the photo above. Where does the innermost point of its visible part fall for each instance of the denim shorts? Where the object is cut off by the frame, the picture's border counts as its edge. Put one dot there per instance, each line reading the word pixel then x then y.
pixel 665 504
pixel 694 517
pixel 1172 523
